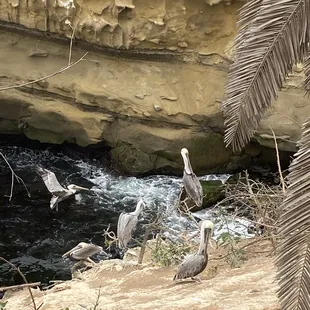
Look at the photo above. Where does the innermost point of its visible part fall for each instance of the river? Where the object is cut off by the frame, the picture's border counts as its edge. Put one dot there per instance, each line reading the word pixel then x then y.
pixel 33 237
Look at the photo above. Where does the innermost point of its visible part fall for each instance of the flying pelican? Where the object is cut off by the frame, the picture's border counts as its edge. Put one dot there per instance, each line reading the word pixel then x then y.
pixel 196 263
pixel 59 193
pixel 127 223
pixel 191 183
pixel 82 252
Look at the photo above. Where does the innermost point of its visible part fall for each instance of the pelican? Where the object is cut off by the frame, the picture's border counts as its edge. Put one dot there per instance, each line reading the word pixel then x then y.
pixel 82 252
pixel 196 263
pixel 127 223
pixel 191 183
pixel 59 193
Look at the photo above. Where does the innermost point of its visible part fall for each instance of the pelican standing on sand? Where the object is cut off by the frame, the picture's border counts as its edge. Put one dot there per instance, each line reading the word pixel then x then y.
pixel 59 193
pixel 191 183
pixel 83 251
pixel 81 254
pixel 127 223
pixel 196 263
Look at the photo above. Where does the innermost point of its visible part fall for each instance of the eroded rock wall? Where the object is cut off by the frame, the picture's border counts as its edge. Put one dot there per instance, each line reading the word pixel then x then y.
pixel 176 25
pixel 152 82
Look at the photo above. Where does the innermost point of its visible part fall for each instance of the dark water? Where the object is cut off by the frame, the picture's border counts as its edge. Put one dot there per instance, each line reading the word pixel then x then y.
pixel 33 237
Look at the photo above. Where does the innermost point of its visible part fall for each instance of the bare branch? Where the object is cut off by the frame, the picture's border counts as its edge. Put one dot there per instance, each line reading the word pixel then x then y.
pixel 25 280
pixel 14 175
pixel 97 300
pixel 47 76
pixel 278 160
pixel 13 287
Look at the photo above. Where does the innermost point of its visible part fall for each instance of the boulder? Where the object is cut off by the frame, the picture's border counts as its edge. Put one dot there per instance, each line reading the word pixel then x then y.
pixel 213 192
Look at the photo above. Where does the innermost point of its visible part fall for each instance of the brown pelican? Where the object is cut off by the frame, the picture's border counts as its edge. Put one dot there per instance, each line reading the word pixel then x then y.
pixel 127 223
pixel 191 183
pixel 83 251
pixel 59 193
pixel 196 263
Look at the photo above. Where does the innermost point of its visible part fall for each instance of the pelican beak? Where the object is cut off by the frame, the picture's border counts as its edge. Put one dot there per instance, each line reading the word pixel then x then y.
pixel 208 234
pixel 81 188
pixel 72 250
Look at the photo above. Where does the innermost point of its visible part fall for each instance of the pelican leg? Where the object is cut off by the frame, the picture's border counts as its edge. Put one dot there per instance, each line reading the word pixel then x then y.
pixel 90 260
pixel 196 279
pixel 74 267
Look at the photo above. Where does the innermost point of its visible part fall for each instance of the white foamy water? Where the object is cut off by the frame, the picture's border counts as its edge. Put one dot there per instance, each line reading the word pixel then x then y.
pixel 121 193
pixel 159 193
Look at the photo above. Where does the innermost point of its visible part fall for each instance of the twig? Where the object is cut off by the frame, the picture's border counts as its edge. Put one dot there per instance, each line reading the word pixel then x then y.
pixel 289 119
pixel 241 248
pixel 255 222
pixel 278 160
pixel 97 300
pixel 13 287
pixel 25 280
pixel 143 246
pixel 71 39
pixel 47 76
pixel 250 187
pixel 111 235
pixel 14 175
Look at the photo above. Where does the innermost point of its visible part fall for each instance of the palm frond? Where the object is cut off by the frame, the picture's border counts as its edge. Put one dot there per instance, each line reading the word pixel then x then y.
pixel 275 40
pixel 307 73
pixel 247 16
pixel 293 258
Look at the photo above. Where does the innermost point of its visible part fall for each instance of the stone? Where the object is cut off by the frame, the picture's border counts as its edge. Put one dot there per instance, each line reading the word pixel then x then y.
pixel 183 44
pixel 157 108
pixel 213 2
pixel 213 192
pixel 38 53
pixel 170 98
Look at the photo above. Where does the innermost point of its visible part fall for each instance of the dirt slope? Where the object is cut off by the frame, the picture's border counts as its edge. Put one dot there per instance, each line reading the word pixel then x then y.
pixel 124 285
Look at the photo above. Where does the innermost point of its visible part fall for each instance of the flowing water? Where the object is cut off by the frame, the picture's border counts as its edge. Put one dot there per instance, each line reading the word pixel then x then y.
pixel 34 237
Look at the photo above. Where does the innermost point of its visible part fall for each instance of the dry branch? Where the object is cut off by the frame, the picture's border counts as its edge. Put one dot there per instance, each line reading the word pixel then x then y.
pixel 47 76
pixel 25 280
pixel 278 160
pixel 13 287
pixel 14 176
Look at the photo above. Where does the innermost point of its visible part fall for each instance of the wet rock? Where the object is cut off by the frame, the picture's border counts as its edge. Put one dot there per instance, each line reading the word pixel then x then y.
pixel 213 191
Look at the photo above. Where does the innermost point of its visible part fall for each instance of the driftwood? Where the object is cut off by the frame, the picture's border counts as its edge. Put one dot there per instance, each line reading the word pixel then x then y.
pixel 13 287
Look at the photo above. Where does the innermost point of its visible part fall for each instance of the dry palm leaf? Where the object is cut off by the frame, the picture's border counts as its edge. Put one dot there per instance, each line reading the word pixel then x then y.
pixel 293 259
pixel 276 39
pixel 246 17
pixel 307 73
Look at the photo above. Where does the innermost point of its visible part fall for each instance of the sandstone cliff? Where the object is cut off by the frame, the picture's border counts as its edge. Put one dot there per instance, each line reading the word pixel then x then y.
pixel 152 82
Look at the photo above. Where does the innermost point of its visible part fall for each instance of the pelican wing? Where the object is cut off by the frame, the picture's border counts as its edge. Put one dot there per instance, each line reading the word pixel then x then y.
pixel 191 266
pixel 126 225
pixel 85 252
pixel 51 182
pixel 193 188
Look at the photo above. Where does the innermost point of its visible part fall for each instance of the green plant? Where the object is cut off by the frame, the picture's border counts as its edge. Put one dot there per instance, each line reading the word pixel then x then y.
pixel 229 240
pixel 167 252
pixel 2 305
